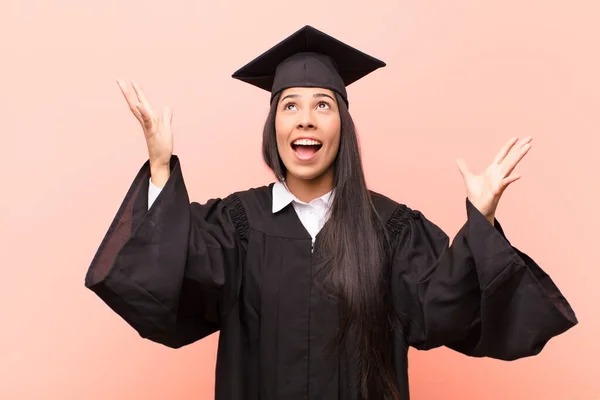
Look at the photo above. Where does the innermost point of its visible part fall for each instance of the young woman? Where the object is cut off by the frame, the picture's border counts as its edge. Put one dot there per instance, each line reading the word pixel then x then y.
pixel 316 284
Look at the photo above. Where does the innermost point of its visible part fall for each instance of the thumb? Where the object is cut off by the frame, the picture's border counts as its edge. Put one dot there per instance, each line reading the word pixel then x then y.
pixel 167 116
pixel 463 168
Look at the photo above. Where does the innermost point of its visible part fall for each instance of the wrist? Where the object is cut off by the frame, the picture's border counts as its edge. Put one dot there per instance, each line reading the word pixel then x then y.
pixel 159 174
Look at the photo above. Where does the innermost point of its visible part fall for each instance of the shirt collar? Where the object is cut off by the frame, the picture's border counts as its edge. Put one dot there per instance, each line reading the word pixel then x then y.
pixel 283 197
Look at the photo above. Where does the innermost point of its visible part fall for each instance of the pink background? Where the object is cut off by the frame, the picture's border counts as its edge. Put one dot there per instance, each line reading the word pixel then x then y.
pixel 462 77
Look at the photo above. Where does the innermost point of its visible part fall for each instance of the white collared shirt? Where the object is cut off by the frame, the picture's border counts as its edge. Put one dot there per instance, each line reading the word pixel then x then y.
pixel 313 215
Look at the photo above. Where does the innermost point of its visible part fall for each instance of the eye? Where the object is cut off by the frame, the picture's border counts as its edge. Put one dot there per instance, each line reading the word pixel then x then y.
pixel 323 105
pixel 289 106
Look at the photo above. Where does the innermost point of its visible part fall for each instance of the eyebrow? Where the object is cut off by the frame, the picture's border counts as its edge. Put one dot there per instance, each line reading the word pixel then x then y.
pixel 314 95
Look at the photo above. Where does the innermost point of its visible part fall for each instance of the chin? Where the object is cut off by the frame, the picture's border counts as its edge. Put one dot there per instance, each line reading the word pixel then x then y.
pixel 306 173
pixel 313 168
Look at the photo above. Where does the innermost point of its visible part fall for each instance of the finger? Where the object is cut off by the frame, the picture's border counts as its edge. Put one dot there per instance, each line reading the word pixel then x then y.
pixel 505 150
pixel 146 117
pixel 130 98
pixel 141 97
pixel 526 141
pixel 462 167
pixel 510 179
pixel 511 162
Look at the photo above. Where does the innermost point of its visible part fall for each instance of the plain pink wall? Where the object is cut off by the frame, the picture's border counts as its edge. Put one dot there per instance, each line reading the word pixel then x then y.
pixel 462 77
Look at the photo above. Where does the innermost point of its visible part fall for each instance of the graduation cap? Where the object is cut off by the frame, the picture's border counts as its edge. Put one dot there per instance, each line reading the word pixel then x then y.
pixel 308 58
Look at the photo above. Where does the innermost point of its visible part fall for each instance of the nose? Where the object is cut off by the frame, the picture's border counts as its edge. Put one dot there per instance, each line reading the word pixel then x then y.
pixel 306 120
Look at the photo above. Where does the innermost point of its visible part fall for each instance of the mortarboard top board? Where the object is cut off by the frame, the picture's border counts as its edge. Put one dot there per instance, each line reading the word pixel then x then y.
pixel 308 58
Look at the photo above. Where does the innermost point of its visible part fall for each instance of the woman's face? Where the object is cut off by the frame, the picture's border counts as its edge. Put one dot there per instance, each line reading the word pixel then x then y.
pixel 307 125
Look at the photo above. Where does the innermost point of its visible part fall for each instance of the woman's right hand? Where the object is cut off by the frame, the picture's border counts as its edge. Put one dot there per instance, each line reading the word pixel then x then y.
pixel 157 131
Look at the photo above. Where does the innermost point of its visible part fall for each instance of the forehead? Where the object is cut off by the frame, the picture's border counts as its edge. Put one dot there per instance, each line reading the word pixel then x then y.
pixel 306 92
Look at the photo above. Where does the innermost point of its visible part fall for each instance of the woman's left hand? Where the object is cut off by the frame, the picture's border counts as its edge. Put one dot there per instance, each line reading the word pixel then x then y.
pixel 485 189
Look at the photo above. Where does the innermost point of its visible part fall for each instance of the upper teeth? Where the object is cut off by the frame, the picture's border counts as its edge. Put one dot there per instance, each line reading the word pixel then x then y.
pixel 306 142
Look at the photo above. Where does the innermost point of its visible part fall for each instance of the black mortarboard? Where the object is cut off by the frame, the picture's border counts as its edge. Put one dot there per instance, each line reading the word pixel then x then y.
pixel 308 58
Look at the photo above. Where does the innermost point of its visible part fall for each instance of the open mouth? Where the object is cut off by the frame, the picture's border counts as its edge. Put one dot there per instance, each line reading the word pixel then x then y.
pixel 305 149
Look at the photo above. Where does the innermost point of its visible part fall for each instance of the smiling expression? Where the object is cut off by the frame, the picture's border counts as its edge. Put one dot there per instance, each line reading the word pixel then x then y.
pixel 308 124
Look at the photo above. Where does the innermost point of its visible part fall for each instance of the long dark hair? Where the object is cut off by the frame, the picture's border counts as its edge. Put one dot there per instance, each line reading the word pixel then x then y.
pixel 357 256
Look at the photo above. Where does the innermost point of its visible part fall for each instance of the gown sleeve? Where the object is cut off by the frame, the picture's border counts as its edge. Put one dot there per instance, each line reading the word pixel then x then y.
pixel 172 271
pixel 478 295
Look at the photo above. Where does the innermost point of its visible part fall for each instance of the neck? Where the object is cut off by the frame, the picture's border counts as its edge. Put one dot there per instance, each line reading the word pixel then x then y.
pixel 309 189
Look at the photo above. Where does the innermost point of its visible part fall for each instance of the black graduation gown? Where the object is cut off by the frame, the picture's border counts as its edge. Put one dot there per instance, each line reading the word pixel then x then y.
pixel 179 272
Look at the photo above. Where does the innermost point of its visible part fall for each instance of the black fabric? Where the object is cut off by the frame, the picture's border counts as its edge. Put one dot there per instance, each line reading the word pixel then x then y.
pixel 308 58
pixel 186 270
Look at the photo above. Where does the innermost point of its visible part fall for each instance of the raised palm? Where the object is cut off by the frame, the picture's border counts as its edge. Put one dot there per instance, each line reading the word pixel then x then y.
pixel 485 189
pixel 157 128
